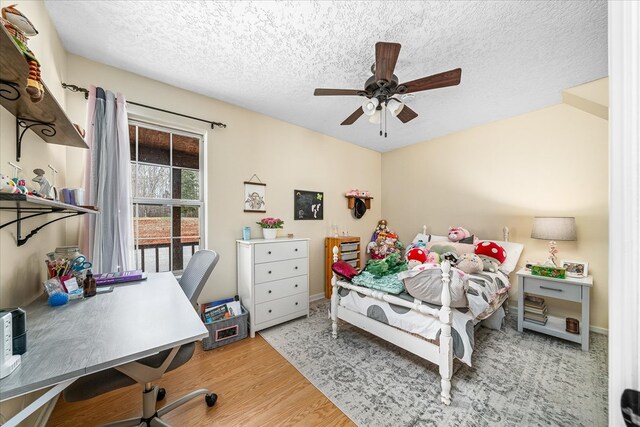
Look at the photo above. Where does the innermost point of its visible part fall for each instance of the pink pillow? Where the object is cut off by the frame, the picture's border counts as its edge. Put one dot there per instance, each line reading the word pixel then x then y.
pixel 345 270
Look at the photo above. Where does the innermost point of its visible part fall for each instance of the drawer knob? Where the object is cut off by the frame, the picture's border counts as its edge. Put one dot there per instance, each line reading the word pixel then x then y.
pixel 296 303
pixel 296 285
pixel 550 289
pixel 269 252
pixel 269 271
pixel 296 249
pixel 269 311
pixel 296 267
pixel 269 290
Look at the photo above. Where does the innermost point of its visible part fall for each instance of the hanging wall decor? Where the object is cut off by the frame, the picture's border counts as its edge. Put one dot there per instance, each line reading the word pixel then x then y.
pixel 255 195
pixel 308 204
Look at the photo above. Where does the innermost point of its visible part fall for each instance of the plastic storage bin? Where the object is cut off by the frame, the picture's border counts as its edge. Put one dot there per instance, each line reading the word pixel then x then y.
pixel 344 247
pixel 226 331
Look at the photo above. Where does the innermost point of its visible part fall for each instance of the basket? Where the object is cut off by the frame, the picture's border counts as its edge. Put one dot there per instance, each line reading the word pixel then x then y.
pixel 226 331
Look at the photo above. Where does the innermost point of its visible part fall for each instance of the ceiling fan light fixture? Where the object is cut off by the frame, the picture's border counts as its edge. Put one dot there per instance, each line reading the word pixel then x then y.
pixel 375 117
pixel 369 106
pixel 395 106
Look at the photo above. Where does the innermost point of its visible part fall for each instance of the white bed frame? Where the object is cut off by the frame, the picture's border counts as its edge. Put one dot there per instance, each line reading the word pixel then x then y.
pixel 441 355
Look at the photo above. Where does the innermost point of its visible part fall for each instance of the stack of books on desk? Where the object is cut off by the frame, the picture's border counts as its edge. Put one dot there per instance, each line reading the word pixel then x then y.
pixel 535 309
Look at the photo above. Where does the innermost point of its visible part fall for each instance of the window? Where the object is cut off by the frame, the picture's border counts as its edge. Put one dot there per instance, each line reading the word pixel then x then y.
pixel 167 189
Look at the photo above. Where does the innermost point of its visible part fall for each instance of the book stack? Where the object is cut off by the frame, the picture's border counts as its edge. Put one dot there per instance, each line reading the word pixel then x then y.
pixel 535 309
pixel 219 310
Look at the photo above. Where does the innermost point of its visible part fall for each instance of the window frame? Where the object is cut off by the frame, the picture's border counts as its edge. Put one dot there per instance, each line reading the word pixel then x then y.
pixel 171 202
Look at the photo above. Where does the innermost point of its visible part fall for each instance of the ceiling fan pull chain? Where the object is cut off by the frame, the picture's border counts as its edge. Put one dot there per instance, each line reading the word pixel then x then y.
pixel 385 121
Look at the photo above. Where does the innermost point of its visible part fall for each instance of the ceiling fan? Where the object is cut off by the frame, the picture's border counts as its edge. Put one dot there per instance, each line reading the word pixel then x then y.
pixel 382 89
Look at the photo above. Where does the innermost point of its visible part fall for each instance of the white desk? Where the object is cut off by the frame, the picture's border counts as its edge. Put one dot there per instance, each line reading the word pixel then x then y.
pixel 136 320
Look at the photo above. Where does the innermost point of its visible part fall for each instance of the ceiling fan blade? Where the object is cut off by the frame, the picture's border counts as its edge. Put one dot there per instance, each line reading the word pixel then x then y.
pixel 353 117
pixel 386 58
pixel 336 92
pixel 448 78
pixel 406 114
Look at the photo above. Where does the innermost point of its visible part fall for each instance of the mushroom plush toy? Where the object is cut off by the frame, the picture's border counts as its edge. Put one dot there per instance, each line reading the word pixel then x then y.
pixel 416 256
pixel 491 254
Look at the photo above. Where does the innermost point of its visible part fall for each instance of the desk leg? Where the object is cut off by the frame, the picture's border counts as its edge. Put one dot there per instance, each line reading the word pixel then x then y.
pixel 585 318
pixel 520 302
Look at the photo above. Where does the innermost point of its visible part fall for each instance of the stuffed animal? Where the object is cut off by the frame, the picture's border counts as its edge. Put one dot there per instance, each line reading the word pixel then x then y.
pixel 383 242
pixel 470 263
pixel 491 254
pixel 489 264
pixel 416 256
pixel 433 258
pixel 458 233
pixel 7 185
pixel 384 267
pixel 20 29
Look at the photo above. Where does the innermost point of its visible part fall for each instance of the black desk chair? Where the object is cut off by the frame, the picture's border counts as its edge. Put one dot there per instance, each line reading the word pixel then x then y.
pixel 152 368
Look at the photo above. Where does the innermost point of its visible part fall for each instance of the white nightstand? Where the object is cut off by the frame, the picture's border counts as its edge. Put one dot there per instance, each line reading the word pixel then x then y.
pixel 569 289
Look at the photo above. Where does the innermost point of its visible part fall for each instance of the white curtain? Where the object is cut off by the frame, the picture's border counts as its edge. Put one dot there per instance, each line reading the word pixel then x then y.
pixel 624 211
pixel 107 238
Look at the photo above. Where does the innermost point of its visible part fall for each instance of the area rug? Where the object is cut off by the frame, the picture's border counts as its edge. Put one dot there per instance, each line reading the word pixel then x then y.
pixel 525 379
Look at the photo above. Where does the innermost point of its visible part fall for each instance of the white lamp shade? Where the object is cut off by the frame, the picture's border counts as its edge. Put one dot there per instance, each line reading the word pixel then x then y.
pixel 375 118
pixel 395 107
pixel 369 106
pixel 554 228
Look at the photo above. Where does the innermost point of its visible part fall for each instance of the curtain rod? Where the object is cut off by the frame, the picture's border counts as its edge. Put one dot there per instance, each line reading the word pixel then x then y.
pixel 74 88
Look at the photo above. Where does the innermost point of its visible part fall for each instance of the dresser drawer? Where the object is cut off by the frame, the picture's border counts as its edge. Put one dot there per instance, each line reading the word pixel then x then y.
pixel 281 307
pixel 270 291
pixel 553 289
pixel 271 271
pixel 269 252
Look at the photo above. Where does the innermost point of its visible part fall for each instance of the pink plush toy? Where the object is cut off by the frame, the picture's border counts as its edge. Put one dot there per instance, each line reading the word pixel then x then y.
pixel 458 233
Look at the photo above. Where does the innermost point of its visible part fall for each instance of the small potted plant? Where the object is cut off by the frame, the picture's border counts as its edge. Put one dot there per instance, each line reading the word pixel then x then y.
pixel 270 227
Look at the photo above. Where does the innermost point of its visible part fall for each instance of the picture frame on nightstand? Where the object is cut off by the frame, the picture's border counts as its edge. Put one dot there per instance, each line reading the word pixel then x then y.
pixel 575 268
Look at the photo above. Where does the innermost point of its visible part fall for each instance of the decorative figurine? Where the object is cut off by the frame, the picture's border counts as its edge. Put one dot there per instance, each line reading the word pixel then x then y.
pixel 45 186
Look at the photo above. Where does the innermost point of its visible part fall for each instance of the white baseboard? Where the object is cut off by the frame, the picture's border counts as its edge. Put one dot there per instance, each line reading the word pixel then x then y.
pixel 594 329
pixel 316 297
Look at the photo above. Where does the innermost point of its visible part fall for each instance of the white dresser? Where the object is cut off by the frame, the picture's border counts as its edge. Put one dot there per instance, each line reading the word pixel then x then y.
pixel 273 280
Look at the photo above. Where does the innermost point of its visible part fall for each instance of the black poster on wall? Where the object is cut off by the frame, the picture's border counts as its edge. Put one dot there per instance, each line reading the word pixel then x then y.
pixel 308 205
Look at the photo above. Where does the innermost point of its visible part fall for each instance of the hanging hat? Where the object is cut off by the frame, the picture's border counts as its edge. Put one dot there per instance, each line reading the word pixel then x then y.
pixel 359 208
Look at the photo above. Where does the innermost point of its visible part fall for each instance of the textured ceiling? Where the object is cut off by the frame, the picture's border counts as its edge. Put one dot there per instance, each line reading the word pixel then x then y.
pixel 268 57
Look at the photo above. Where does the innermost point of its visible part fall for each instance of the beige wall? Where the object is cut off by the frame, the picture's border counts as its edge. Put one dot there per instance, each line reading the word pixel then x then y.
pixel 548 162
pixel 22 269
pixel 284 156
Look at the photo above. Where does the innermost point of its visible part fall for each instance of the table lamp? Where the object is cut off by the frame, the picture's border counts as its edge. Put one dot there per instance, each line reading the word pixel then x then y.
pixel 552 229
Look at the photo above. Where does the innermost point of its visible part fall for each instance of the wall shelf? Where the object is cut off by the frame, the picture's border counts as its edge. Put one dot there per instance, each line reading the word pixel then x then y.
pixel 27 207
pixel 46 118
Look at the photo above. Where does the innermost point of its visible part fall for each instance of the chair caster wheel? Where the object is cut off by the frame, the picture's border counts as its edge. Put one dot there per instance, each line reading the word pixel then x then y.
pixel 211 399
pixel 161 394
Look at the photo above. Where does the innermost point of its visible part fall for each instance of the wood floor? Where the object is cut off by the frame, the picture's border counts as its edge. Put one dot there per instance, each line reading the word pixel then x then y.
pixel 256 386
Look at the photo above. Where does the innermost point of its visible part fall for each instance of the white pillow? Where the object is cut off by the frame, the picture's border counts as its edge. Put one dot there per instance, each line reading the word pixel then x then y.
pixel 429 238
pixel 514 250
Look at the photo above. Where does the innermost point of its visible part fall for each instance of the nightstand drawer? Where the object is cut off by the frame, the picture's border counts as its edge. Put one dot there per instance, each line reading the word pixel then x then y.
pixel 553 289
pixel 271 271
pixel 279 251
pixel 270 291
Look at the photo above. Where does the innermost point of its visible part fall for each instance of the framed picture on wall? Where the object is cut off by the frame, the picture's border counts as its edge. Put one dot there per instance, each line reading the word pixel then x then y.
pixel 255 197
pixel 308 205
pixel 575 268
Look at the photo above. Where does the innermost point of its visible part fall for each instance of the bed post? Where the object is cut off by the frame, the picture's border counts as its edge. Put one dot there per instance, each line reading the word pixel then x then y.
pixel 446 342
pixel 334 298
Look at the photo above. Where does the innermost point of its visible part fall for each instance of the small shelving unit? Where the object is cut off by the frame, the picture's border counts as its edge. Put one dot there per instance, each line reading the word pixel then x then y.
pixel 348 251
pixel 46 118
pixel 27 207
